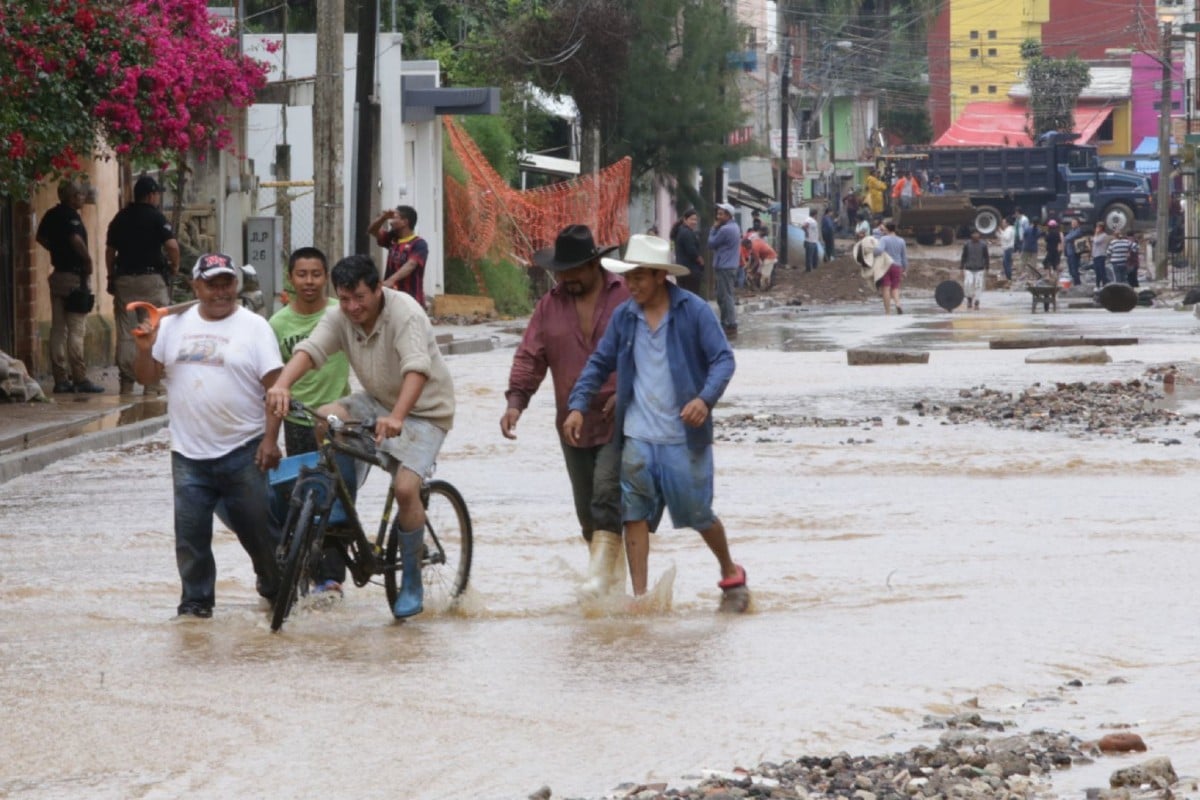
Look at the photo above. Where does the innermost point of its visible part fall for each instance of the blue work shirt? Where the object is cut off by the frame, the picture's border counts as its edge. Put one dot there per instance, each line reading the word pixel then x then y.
pixel 1029 241
pixel 698 354
pixel 726 245
pixel 1069 241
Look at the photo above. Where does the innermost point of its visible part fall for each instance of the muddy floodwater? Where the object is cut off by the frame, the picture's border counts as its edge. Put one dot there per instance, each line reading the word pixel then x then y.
pixel 901 567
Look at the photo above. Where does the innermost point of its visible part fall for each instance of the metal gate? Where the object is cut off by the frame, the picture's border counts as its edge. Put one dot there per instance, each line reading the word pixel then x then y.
pixel 1183 265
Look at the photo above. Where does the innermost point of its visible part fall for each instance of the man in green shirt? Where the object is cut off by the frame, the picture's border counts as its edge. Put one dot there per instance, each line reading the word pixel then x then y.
pixel 308 270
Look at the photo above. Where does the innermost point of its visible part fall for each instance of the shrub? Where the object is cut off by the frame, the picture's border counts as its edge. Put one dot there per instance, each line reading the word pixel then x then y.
pixel 508 285
pixel 459 278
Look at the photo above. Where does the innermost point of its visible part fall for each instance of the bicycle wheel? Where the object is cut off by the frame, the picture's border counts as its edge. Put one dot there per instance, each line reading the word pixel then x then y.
pixel 298 540
pixel 446 561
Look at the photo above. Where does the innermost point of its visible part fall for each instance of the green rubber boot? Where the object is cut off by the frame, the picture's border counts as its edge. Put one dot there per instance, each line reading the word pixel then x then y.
pixel 411 597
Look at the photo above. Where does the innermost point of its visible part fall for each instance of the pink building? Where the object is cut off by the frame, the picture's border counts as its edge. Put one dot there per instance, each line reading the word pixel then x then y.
pixel 1146 96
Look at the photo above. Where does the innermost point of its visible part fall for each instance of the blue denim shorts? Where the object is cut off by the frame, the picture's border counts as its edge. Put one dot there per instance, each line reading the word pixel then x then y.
pixel 416 447
pixel 671 475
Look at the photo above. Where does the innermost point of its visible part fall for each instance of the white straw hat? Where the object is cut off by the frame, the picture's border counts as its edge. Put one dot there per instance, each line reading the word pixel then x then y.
pixel 647 251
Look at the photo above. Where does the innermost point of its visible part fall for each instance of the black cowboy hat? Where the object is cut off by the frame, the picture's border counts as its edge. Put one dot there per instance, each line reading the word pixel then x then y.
pixel 573 247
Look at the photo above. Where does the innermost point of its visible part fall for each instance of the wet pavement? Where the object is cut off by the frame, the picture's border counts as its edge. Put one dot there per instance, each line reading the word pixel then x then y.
pixel 899 570
pixel 33 435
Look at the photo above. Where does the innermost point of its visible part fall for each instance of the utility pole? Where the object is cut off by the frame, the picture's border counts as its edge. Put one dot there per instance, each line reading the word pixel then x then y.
pixel 364 95
pixel 328 128
pixel 785 182
pixel 283 158
pixel 1164 158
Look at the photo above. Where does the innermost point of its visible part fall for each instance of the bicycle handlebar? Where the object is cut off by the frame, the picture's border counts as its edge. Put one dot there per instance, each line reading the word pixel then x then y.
pixel 363 429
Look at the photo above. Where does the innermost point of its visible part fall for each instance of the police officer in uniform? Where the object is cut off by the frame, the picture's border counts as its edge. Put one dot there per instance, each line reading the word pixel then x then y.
pixel 137 270
pixel 62 233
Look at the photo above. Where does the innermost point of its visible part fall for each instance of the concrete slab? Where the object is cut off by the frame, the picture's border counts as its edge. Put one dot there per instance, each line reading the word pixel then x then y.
pixel 1030 342
pixel 1069 355
pixel 461 347
pixel 866 356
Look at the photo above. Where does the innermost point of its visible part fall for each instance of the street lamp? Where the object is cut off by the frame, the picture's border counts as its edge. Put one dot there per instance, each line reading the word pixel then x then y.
pixel 785 113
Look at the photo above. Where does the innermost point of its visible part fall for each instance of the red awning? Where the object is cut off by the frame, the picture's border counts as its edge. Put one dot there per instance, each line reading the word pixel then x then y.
pixel 1003 124
pixel 1088 119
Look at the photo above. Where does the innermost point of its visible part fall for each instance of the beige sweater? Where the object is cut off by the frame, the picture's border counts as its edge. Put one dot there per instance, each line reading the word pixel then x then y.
pixel 402 341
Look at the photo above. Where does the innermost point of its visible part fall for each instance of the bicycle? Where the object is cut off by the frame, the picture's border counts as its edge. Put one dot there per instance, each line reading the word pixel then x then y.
pixel 321 510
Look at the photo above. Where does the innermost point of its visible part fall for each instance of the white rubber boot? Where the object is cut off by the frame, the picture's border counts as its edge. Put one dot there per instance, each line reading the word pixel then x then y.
pixel 606 548
pixel 618 567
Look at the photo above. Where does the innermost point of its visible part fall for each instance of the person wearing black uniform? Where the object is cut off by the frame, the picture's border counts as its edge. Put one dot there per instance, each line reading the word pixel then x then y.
pixel 137 269
pixel 62 232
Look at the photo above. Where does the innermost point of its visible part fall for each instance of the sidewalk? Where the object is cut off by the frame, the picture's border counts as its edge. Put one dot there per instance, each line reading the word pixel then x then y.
pixel 34 435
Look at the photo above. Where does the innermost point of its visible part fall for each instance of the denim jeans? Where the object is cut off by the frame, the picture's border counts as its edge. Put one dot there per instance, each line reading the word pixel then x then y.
pixel 1073 268
pixel 725 301
pixel 595 474
pixel 810 256
pixel 1008 263
pixel 199 485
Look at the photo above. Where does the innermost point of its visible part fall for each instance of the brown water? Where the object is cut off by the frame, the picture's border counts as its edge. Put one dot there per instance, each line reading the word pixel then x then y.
pixel 898 571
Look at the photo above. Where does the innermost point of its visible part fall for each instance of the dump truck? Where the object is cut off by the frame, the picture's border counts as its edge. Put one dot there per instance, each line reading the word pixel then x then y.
pixel 1056 179
pixel 934 217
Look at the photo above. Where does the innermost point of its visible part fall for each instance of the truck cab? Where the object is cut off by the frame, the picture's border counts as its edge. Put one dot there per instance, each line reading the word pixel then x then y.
pixel 1090 192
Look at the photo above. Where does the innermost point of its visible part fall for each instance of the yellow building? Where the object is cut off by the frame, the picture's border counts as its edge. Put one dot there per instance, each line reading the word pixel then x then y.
pixel 985 47
pixel 977 90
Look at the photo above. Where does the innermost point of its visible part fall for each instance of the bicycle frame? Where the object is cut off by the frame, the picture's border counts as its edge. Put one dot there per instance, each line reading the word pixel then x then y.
pixel 364 557
pixel 321 512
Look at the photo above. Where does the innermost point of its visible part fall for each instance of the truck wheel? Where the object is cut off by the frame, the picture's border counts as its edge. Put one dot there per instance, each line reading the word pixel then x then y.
pixel 987 220
pixel 946 235
pixel 1119 217
pixel 926 238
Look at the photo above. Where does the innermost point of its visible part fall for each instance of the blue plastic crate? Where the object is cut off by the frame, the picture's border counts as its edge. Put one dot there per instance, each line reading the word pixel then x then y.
pixel 284 477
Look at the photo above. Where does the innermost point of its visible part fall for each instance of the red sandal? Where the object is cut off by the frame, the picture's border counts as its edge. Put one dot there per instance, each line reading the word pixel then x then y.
pixel 736 582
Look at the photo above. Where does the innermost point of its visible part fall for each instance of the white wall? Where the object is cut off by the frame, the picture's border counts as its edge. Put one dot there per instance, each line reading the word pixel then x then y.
pixel 409 158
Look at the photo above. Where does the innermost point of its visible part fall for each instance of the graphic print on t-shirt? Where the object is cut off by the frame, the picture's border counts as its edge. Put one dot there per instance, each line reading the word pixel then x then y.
pixel 203 349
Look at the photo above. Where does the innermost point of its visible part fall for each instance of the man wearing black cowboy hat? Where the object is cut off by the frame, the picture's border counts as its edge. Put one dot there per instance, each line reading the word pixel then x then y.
pixel 566 325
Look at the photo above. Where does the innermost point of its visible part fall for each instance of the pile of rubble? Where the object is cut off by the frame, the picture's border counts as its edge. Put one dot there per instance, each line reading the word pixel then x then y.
pixel 1133 407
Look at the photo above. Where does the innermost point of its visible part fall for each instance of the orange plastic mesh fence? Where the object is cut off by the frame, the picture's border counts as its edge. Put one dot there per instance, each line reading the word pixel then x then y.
pixel 487 217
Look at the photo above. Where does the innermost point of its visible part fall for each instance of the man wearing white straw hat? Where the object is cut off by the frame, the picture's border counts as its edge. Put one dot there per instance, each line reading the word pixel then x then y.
pixel 673 363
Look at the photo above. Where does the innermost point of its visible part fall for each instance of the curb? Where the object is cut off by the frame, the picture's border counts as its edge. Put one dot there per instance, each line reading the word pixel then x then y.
pixel 28 461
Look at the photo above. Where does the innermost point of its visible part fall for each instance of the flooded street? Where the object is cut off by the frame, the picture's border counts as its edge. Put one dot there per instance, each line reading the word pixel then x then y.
pixel 899 569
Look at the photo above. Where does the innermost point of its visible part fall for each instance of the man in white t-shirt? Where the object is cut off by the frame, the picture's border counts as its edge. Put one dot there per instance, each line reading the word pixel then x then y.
pixel 217 360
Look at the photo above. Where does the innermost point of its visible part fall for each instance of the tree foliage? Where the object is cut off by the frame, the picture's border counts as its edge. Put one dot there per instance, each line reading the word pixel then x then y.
pixel 1054 87
pixel 151 78
pixel 576 47
pixel 679 99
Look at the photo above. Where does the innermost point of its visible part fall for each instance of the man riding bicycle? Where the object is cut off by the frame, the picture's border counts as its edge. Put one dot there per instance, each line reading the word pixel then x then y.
pixel 390 344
